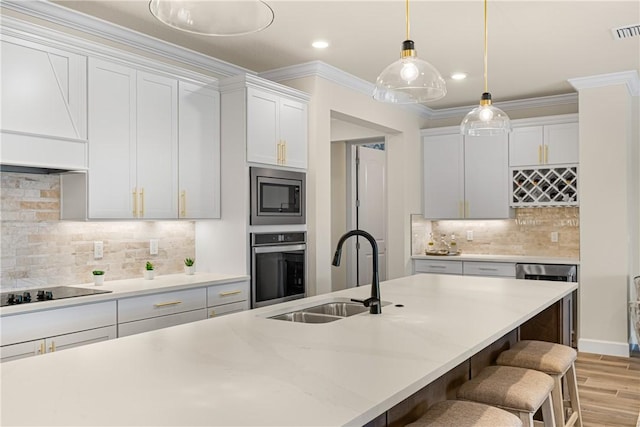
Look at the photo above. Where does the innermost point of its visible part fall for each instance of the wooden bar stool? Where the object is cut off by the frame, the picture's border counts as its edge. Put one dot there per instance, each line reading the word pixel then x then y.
pixel 460 413
pixel 518 390
pixel 556 360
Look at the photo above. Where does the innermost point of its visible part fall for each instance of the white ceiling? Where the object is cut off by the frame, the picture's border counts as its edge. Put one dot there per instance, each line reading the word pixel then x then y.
pixel 534 46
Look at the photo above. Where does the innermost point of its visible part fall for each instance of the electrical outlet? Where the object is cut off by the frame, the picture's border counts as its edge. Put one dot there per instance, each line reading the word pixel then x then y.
pixel 153 246
pixel 98 250
pixel 554 237
pixel 469 235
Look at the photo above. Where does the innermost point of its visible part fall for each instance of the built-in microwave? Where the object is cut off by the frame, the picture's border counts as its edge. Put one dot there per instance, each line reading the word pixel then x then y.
pixel 277 197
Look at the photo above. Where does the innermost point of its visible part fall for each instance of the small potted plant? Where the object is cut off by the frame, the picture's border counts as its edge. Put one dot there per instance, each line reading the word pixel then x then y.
pixel 189 268
pixel 148 271
pixel 98 277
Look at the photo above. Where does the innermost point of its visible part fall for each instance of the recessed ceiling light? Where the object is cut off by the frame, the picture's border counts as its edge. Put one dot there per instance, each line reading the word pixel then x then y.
pixel 459 76
pixel 320 44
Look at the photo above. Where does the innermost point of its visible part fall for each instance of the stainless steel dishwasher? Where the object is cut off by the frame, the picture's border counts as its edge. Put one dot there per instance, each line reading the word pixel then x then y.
pixel 558 322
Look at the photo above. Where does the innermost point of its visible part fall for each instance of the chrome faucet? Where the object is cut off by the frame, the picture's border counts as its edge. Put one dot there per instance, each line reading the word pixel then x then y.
pixel 374 304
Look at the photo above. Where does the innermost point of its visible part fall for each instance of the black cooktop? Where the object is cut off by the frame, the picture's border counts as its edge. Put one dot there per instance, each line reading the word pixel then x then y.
pixel 45 294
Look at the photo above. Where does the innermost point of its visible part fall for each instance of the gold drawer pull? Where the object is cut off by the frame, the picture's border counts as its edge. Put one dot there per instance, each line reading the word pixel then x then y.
pixel 226 294
pixel 52 347
pixel 165 304
pixel 42 348
pixel 212 314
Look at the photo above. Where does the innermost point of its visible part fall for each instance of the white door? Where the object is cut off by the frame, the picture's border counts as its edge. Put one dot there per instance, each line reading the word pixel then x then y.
pixel 262 128
pixel 370 201
pixel 293 132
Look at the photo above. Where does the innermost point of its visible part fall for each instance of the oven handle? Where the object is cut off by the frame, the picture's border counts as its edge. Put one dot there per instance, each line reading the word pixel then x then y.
pixel 281 248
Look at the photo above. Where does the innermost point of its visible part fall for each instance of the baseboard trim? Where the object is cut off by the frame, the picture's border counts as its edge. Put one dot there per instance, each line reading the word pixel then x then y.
pixel 610 348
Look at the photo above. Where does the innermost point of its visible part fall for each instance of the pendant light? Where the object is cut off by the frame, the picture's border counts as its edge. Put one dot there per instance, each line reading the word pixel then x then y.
pixel 213 17
pixel 485 119
pixel 410 79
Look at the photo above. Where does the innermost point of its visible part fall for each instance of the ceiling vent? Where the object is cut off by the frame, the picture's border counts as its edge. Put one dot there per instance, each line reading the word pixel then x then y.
pixel 626 32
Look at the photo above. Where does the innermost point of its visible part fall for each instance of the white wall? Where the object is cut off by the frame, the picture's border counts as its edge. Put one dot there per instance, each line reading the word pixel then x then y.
pixel 608 217
pixel 403 172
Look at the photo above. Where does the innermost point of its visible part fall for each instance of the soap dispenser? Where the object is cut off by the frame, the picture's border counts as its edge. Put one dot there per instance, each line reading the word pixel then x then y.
pixel 453 245
pixel 431 246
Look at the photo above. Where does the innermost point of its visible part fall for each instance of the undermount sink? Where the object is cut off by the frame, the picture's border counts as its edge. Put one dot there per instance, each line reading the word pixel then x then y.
pixel 324 313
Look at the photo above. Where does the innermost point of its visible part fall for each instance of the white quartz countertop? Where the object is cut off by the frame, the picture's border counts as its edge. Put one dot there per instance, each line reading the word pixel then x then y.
pixel 246 369
pixel 126 288
pixel 501 258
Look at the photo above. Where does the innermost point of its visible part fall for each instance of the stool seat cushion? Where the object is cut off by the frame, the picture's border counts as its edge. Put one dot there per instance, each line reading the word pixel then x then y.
pixel 539 355
pixel 460 413
pixel 512 388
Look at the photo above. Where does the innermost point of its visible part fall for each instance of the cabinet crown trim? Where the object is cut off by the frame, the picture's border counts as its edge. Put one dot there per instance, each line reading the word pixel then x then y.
pixel 247 80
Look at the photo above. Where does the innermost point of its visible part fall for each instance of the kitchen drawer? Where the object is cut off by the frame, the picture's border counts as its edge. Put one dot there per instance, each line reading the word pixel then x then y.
pixel 439 267
pixel 496 269
pixel 161 304
pixel 139 326
pixel 227 293
pixel 58 321
pixel 234 307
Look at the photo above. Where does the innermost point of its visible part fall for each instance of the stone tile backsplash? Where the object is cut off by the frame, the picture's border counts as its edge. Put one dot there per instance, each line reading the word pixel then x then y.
pixel 40 250
pixel 528 234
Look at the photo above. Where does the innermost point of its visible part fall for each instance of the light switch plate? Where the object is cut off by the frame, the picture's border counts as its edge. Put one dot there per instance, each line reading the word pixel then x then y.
pixel 554 237
pixel 469 235
pixel 153 246
pixel 98 250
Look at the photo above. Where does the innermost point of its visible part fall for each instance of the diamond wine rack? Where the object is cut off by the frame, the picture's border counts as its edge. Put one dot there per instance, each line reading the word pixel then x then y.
pixel 544 186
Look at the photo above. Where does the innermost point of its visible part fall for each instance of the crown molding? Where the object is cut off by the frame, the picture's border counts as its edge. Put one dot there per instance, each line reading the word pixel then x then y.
pixel 628 78
pixel 60 15
pixel 242 81
pixel 337 76
pixel 519 104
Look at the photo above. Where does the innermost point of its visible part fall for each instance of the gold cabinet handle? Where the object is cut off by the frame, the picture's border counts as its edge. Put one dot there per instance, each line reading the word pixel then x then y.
pixel 212 313
pixel 546 154
pixel 142 202
pixel 135 203
pixel 539 153
pixel 52 347
pixel 228 293
pixel 279 151
pixel 165 304
pixel 42 348
pixel 284 152
pixel 183 203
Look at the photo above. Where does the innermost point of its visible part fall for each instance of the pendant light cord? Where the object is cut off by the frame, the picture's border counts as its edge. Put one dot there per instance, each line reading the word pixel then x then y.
pixel 486 85
pixel 407 18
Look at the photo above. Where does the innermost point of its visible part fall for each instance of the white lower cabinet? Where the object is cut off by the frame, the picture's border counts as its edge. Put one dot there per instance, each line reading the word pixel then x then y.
pixel 46 331
pixel 466 268
pixel 161 310
pixel 228 298
pixel 61 342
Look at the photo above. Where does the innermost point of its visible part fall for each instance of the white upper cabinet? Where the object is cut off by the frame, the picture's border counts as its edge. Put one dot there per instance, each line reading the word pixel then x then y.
pixel 550 144
pixel 44 110
pixel 154 148
pixel 276 129
pixel 199 151
pixel 465 177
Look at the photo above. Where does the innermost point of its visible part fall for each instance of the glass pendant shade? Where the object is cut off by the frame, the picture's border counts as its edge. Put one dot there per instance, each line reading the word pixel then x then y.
pixel 485 119
pixel 214 17
pixel 409 80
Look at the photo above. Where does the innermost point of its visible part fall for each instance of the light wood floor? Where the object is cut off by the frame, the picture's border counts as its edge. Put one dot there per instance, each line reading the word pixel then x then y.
pixel 609 389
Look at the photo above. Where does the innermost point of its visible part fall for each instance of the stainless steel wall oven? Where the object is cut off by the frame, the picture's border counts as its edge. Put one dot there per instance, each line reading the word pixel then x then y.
pixel 277 197
pixel 278 270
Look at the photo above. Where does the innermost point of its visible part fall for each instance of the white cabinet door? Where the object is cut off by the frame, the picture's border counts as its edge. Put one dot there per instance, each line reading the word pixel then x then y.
pixel 293 133
pixel 562 143
pixel 77 339
pixel 112 141
pixel 443 176
pixel 551 144
pixel 22 350
pixel 199 151
pixel 157 146
pixel 486 177
pixel 43 90
pixel 525 146
pixel 262 127
pixel 437 267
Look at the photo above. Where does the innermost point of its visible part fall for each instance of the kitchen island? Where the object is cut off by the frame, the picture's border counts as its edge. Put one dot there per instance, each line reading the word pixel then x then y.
pixel 247 369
